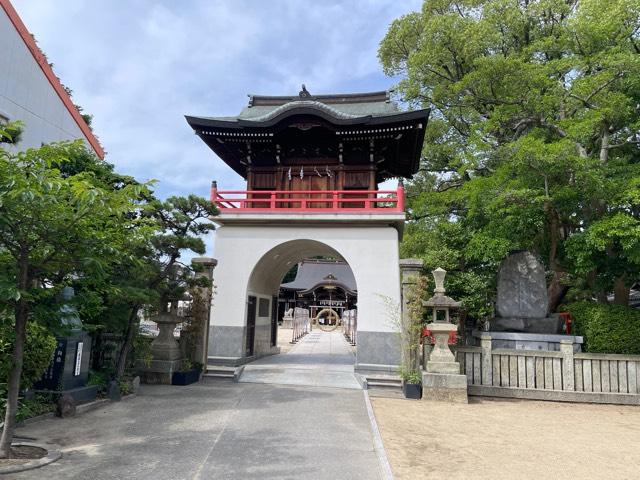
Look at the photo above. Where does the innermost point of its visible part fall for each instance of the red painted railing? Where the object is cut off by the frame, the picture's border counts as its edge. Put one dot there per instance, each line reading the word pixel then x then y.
pixel 309 201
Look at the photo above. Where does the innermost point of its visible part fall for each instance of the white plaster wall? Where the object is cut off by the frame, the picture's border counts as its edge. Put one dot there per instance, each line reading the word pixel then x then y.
pixel 27 95
pixel 371 251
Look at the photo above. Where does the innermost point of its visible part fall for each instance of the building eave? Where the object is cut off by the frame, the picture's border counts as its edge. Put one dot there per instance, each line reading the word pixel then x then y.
pixel 240 124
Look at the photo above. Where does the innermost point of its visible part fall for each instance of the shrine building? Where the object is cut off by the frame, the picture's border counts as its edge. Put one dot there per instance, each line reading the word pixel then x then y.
pixel 319 284
pixel 312 165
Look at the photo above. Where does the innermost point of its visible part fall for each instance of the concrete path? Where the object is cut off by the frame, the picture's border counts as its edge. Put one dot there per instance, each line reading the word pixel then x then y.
pixel 320 359
pixel 215 430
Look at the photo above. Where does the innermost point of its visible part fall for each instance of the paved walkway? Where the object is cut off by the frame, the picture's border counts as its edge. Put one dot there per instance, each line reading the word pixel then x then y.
pixel 320 359
pixel 215 430
pixel 223 430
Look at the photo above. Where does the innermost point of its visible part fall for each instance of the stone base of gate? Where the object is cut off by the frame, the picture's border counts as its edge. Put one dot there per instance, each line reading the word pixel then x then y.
pixel 444 387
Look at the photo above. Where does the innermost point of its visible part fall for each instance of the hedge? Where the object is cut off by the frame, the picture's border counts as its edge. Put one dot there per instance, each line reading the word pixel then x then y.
pixel 607 328
pixel 38 352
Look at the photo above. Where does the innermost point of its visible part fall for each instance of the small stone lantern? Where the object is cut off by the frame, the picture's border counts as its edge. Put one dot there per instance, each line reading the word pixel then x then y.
pixel 442 380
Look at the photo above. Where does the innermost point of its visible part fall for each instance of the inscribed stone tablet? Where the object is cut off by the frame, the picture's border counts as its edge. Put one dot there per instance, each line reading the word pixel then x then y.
pixel 522 288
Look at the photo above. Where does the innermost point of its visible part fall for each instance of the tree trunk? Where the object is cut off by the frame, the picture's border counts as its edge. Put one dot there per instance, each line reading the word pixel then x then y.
pixel 620 292
pixel 128 340
pixel 556 290
pixel 601 297
pixel 13 386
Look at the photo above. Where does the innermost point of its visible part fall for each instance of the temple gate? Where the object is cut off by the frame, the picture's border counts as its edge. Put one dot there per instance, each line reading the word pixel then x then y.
pixel 312 166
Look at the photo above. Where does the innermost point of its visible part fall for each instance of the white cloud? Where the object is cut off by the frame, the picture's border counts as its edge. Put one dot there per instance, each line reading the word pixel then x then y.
pixel 139 66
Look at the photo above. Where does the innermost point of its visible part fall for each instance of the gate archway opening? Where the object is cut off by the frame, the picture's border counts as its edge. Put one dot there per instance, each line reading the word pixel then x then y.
pixel 278 314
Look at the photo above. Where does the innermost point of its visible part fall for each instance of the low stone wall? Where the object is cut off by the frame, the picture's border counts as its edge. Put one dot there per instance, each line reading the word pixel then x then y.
pixel 549 375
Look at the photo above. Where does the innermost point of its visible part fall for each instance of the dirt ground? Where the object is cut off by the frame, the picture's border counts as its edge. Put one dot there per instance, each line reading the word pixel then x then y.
pixel 509 439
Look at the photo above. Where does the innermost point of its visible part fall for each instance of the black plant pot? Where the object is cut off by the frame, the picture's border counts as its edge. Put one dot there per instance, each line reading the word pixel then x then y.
pixel 412 390
pixel 185 378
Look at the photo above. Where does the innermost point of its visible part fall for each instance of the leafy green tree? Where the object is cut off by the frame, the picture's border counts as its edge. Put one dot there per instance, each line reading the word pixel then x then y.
pixel 159 277
pixel 533 141
pixel 53 228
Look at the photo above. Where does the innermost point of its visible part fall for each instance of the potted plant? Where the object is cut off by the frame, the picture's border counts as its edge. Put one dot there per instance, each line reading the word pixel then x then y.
pixel 410 333
pixel 411 384
pixel 188 374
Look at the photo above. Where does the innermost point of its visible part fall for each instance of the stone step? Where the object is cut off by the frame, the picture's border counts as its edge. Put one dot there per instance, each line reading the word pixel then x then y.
pixel 384 380
pixel 218 376
pixel 375 384
pixel 385 392
pixel 221 369
pixel 225 361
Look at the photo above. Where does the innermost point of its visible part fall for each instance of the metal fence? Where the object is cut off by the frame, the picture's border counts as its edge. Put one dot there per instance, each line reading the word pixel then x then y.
pixel 300 324
pixel 350 325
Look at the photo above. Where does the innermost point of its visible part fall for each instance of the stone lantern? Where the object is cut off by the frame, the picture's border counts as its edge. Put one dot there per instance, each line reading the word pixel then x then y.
pixel 442 381
pixel 167 357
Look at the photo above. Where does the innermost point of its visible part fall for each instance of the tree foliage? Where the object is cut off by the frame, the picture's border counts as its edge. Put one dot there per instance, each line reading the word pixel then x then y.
pixel 607 328
pixel 53 228
pixel 533 140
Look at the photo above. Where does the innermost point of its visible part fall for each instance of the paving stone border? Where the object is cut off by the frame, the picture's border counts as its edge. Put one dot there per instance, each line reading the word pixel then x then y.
pixel 50 457
pixel 378 445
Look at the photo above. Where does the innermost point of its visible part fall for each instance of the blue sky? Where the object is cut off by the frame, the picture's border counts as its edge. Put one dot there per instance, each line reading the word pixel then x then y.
pixel 138 66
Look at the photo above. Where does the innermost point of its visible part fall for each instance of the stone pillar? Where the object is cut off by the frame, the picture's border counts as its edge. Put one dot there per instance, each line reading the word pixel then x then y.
pixel 205 295
pixel 487 366
pixel 410 269
pixel 568 367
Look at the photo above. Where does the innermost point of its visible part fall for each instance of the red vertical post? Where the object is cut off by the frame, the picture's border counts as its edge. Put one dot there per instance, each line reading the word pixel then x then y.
pixel 334 203
pixel 273 200
pixel 400 201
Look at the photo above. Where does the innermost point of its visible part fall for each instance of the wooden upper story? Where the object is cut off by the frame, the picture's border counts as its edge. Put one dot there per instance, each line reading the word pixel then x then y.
pixel 308 146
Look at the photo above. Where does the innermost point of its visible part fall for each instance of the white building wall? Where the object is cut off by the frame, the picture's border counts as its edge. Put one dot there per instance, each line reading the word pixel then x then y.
pixel 27 95
pixel 252 261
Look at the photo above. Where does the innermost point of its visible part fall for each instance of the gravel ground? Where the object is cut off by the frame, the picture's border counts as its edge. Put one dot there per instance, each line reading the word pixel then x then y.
pixel 509 439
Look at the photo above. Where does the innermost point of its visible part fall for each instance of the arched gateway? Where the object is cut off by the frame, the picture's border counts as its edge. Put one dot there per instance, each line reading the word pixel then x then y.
pixel 312 165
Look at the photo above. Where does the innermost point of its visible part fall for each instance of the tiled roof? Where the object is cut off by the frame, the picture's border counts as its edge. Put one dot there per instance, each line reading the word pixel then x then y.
pixel 312 272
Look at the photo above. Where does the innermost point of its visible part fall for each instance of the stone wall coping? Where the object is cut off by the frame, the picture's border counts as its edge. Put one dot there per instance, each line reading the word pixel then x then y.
pixel 555 395
pixel 206 261
pixel 606 356
pixel 411 263
pixel 533 337
pixel 527 353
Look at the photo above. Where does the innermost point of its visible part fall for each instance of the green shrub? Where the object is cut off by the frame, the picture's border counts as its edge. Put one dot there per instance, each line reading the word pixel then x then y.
pixel 607 328
pixel 98 378
pixel 125 387
pixel 38 352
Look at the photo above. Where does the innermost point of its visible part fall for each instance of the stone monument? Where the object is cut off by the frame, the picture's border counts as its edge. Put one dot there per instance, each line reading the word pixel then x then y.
pixel 522 320
pixel 68 371
pixel 442 381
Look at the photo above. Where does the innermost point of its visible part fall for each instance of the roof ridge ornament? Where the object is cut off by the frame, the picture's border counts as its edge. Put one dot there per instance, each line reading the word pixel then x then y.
pixel 304 93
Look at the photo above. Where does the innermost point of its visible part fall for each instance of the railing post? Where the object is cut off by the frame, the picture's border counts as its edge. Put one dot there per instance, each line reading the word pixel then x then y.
pixel 214 191
pixel 334 204
pixel 400 194
pixel 568 367
pixel 487 366
pixel 272 203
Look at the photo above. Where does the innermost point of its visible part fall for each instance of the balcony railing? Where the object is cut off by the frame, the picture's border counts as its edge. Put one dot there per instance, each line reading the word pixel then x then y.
pixel 309 201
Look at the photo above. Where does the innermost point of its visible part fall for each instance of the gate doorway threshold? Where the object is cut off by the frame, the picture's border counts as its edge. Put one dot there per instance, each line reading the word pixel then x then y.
pixel 319 359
